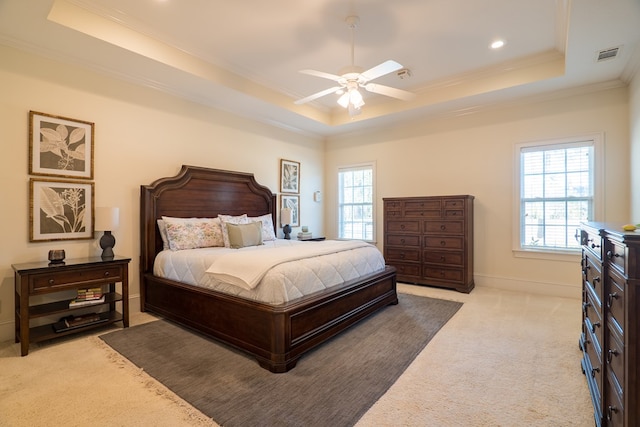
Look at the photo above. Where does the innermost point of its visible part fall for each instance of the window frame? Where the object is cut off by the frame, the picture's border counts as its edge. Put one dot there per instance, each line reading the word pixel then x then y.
pixel 568 254
pixel 351 167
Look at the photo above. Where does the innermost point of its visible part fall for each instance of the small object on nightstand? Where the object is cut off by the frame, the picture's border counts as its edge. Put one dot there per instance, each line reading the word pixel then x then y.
pixel 56 256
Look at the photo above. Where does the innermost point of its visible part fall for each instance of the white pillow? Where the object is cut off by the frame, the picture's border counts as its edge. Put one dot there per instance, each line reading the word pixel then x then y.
pixel 224 219
pixel 268 233
pixel 192 233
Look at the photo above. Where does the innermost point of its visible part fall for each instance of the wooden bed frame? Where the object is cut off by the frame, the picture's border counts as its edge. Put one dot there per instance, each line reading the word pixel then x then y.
pixel 276 335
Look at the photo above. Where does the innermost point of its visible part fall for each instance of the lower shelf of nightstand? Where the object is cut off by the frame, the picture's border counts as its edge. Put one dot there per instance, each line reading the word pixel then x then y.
pixel 46 332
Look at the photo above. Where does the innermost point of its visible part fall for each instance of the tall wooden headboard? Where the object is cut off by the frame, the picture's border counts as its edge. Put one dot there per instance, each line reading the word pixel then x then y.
pixel 197 192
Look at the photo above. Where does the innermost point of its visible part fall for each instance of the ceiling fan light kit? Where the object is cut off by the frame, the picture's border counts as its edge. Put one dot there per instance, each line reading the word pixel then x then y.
pixel 352 78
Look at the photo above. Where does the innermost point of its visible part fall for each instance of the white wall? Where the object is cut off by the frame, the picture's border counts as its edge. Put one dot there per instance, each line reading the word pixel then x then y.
pixel 474 155
pixel 140 135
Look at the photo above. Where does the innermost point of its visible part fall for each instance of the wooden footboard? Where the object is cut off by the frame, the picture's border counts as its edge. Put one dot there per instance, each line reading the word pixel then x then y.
pixel 275 335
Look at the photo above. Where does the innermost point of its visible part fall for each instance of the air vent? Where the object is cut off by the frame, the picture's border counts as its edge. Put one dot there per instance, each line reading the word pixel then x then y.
pixel 607 54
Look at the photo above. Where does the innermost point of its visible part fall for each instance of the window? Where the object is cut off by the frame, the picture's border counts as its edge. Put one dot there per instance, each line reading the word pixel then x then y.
pixel 355 202
pixel 557 191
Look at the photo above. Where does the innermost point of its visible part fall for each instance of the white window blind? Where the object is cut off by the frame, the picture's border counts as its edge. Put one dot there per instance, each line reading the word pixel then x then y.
pixel 557 191
pixel 356 202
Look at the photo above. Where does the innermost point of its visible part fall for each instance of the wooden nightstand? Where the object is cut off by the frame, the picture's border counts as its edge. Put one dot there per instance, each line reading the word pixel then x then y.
pixel 41 278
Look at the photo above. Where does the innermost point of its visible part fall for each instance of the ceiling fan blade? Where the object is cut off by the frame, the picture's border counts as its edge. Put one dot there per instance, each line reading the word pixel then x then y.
pixel 380 70
pixel 322 74
pixel 317 95
pixel 390 91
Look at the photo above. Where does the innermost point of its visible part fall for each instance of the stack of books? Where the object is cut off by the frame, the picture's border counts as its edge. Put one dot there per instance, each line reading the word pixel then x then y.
pixel 89 296
pixel 303 235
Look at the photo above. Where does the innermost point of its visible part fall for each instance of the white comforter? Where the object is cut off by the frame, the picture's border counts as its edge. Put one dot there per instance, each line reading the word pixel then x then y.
pixel 326 264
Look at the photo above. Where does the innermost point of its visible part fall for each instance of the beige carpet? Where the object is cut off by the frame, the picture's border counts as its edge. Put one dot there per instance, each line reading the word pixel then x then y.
pixel 505 359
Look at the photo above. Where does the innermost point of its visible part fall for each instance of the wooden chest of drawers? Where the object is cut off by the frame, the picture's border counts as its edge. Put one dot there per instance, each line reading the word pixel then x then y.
pixel 429 240
pixel 611 322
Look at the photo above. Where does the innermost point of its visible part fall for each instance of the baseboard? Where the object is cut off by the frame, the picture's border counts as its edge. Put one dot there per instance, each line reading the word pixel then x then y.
pixel 563 290
pixel 7 328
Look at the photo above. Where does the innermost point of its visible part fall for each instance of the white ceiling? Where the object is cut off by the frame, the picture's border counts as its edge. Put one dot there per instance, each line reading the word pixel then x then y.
pixel 245 56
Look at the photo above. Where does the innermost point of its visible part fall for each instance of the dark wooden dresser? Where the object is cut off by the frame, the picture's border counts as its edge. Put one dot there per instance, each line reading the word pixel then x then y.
pixel 611 322
pixel 429 240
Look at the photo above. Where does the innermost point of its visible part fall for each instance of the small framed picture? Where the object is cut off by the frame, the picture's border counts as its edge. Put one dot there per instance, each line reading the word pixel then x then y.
pixel 289 176
pixel 60 210
pixel 293 203
pixel 60 146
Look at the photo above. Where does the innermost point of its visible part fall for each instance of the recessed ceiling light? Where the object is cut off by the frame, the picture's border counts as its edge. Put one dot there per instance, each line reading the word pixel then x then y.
pixel 497 44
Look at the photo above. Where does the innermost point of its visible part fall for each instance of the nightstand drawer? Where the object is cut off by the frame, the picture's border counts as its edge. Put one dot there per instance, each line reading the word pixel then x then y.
pixel 56 281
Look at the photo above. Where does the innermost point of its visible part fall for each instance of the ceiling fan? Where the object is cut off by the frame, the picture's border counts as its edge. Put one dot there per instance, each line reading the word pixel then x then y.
pixel 352 78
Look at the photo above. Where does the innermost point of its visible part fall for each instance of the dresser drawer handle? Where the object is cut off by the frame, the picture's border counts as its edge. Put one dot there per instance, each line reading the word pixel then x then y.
pixel 593 246
pixel 613 255
pixel 610 299
pixel 107 274
pixel 402 241
pixel 611 354
pixel 610 411
pixel 402 226
pixel 402 255
pixel 443 243
pixel 51 281
pixel 596 279
pixel 594 326
pixel 594 371
pixel 443 227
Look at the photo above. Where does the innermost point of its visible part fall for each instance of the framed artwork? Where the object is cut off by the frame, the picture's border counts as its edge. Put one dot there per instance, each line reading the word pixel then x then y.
pixel 289 176
pixel 293 203
pixel 60 210
pixel 59 146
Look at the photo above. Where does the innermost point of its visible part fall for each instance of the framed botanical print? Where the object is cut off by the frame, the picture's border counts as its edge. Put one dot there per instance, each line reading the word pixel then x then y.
pixel 293 203
pixel 60 146
pixel 60 210
pixel 289 176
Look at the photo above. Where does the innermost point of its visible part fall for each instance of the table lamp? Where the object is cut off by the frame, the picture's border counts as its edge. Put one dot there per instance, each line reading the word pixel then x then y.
pixel 285 221
pixel 107 220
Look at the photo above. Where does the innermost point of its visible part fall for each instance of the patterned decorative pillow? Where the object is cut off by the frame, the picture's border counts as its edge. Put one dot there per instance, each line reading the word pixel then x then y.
pixel 268 232
pixel 162 227
pixel 224 219
pixel 192 233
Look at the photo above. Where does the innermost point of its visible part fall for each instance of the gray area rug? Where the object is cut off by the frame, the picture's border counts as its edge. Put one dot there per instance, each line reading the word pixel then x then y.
pixel 332 385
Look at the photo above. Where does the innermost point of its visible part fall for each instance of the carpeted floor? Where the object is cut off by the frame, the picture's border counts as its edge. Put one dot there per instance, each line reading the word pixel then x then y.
pixel 334 385
pixel 505 359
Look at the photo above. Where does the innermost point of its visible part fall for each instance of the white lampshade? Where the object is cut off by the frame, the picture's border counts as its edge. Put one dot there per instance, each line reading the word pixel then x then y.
pixel 107 219
pixel 285 216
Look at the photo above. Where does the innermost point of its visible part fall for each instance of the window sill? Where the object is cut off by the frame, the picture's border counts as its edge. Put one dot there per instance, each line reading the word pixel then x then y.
pixel 549 255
